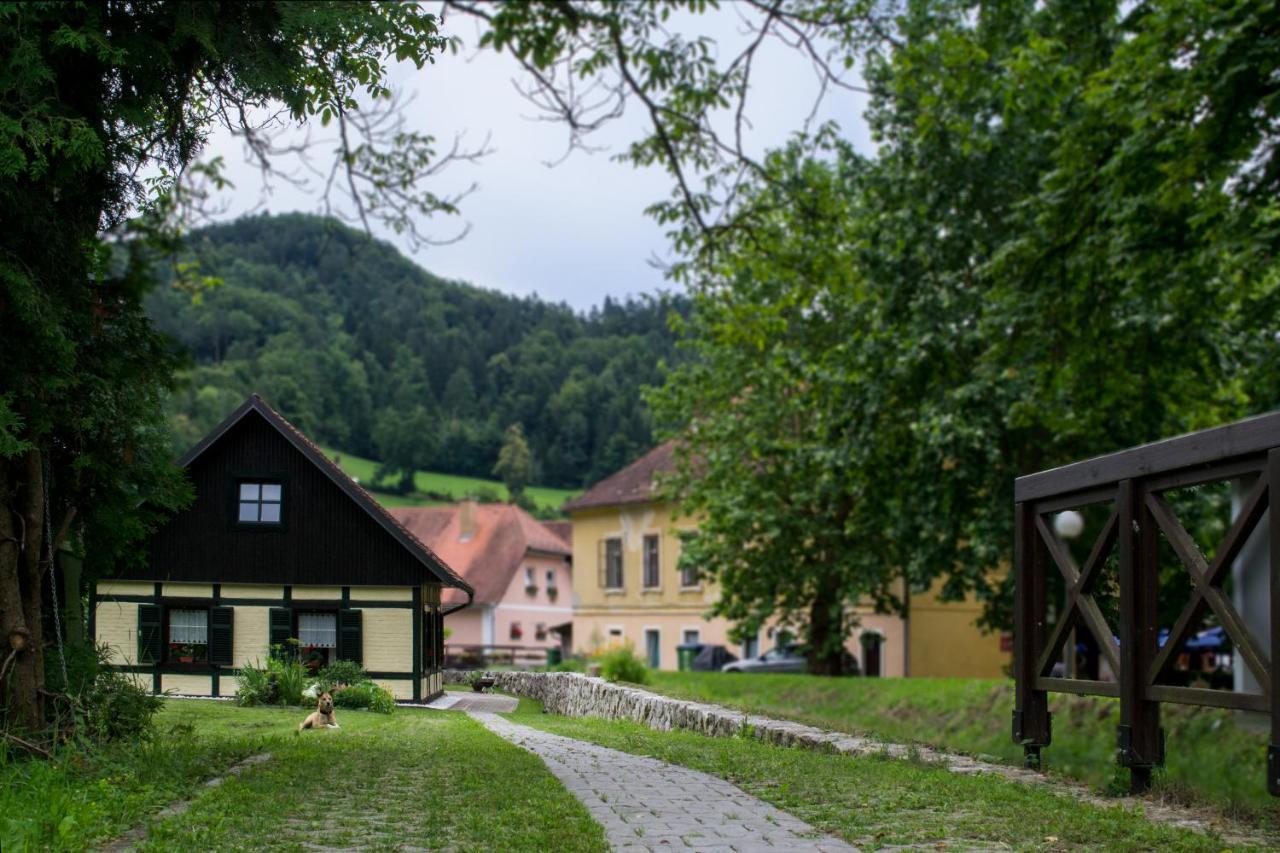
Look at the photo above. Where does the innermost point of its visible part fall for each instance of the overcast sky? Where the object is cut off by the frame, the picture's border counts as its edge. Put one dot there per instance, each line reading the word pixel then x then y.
pixel 577 231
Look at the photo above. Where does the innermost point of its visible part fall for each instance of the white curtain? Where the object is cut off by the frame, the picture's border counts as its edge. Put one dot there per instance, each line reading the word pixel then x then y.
pixel 318 629
pixel 189 626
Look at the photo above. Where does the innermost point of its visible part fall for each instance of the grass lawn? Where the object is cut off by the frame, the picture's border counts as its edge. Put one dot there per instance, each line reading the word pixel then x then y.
pixel 1211 758
pixel 417 778
pixel 454 486
pixel 879 802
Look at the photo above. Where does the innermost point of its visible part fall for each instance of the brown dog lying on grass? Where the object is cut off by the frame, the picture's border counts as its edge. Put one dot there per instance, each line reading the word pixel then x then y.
pixel 322 716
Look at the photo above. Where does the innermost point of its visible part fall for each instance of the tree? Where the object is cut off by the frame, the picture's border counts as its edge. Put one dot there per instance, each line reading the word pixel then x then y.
pixel 515 464
pixel 407 441
pixel 1048 258
pixel 96 96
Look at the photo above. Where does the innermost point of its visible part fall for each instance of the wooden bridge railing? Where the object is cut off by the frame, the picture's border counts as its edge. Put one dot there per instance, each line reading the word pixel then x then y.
pixel 1134 482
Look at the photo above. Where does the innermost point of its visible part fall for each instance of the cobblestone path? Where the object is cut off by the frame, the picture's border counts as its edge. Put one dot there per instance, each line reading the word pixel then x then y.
pixel 646 804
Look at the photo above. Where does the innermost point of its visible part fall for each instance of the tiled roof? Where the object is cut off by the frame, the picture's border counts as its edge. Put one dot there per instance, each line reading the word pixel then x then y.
pixel 633 484
pixel 562 530
pixel 366 501
pixel 501 536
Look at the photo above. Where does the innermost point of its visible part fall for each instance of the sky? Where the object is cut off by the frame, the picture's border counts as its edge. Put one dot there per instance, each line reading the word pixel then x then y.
pixel 574 232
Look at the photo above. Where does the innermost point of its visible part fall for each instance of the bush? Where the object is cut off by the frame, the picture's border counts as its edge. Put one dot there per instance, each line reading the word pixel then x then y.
pixel 280 682
pixel 570 664
pixel 621 664
pixel 341 672
pixel 366 694
pixel 95 703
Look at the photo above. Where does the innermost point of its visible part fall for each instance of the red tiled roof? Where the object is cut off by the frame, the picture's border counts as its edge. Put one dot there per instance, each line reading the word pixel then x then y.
pixel 633 484
pixel 502 534
pixel 563 530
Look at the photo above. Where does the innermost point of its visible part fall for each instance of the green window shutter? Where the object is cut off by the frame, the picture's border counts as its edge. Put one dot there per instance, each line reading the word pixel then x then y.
pixel 280 623
pixel 150 641
pixel 350 636
pixel 221 634
pixel 438 616
pixel 602 571
pixel 428 641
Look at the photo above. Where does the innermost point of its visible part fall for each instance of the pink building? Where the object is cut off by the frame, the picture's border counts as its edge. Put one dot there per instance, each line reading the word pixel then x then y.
pixel 519 567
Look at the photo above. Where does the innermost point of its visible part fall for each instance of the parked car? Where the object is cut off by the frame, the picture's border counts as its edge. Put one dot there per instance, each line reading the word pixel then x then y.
pixel 792 657
pixel 788 658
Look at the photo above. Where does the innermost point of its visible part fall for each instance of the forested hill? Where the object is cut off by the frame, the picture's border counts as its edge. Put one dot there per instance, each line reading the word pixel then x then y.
pixel 368 352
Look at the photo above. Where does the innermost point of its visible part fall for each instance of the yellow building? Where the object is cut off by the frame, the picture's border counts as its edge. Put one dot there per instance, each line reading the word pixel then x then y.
pixel 629 588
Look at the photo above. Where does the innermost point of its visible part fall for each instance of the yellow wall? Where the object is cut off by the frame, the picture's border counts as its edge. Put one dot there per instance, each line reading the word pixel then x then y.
pixel 388 640
pixel 250 636
pixel 116 624
pixel 387 633
pixel 669 608
pixel 314 593
pixel 940 638
pixel 247 590
pixel 190 685
pixel 944 641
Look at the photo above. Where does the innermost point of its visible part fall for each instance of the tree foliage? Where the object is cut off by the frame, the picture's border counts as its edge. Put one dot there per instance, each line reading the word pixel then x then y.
pixel 97 97
pixel 1064 245
pixel 345 335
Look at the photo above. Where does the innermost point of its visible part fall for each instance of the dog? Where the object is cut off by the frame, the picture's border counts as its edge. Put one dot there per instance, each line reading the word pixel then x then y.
pixel 323 716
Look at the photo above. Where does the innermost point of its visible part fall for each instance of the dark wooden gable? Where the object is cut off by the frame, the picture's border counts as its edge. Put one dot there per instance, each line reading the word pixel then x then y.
pixel 330 535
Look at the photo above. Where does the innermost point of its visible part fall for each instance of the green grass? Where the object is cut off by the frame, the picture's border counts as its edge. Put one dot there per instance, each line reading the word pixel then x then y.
pixel 454 486
pixel 875 802
pixel 417 778
pixel 1211 758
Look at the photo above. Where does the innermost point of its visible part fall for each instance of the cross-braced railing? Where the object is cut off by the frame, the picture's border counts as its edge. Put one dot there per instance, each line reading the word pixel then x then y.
pixel 1135 483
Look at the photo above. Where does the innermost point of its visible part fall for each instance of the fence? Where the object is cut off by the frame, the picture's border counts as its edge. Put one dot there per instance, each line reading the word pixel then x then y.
pixel 464 656
pixel 1135 484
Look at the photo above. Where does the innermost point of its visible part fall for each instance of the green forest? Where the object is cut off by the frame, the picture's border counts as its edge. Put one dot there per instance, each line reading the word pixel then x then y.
pixel 367 352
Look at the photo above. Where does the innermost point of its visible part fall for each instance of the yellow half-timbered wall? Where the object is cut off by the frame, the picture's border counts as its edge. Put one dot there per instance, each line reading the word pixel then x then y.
pixel 387 631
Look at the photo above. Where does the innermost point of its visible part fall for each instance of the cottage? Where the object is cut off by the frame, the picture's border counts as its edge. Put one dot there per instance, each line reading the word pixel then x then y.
pixel 520 569
pixel 278 545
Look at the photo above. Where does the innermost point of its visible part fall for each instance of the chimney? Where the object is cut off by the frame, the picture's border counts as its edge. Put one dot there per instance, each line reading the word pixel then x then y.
pixel 466 520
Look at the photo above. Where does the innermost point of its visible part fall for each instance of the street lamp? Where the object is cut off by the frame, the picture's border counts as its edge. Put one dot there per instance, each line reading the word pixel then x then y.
pixel 1069 524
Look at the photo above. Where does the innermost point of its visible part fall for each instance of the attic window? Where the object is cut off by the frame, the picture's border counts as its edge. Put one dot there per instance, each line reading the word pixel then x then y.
pixel 260 503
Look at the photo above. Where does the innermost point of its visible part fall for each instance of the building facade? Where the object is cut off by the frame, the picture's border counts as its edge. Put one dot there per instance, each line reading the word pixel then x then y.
pixel 631 589
pixel 279 548
pixel 520 570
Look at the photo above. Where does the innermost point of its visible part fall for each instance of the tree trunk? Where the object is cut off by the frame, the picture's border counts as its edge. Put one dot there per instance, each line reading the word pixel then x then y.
pixel 826 633
pixel 21 535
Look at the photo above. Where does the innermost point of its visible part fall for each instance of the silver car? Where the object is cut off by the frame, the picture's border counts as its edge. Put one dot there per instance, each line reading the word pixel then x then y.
pixel 789 658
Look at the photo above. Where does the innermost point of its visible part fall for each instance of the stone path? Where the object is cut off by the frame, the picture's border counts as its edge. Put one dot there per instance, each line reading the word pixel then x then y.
pixel 646 804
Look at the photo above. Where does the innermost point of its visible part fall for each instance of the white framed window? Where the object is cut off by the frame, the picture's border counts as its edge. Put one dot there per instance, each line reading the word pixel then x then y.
pixel 188 635
pixel 189 627
pixel 529 581
pixel 551 578
pixel 652 575
pixel 691 636
pixel 318 630
pixel 612 564
pixel 689 578
pixel 260 503
pixel 615 634
pixel 653 647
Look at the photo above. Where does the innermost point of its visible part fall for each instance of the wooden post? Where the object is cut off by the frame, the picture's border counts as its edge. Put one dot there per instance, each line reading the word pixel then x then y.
pixel 1031 723
pixel 1139 741
pixel 1273 523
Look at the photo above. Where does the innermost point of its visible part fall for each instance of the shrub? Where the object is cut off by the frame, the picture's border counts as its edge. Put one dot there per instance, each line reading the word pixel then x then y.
pixel 570 664
pixel 256 686
pixel 341 672
pixel 95 703
pixel 621 664
pixel 280 682
pixel 291 679
pixel 366 694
